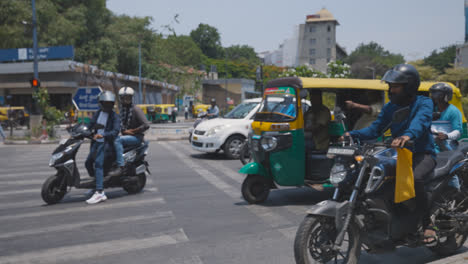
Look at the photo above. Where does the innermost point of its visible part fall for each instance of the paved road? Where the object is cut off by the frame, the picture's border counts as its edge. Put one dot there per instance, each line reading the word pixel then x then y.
pixel 191 212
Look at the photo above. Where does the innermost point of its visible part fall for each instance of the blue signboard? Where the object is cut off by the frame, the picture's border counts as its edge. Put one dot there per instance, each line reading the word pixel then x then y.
pixel 44 53
pixel 86 98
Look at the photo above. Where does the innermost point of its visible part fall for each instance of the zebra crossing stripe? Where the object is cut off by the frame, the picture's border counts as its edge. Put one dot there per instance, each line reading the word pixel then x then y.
pixel 97 250
pixel 86 208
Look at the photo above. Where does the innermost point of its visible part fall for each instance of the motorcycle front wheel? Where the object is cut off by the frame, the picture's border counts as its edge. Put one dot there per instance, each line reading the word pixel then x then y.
pixel 314 242
pixel 52 192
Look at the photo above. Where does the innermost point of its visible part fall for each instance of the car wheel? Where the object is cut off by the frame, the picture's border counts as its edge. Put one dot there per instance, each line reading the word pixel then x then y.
pixel 233 146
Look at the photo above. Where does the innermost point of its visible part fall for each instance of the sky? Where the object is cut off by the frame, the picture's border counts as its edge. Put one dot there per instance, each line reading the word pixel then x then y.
pixel 413 28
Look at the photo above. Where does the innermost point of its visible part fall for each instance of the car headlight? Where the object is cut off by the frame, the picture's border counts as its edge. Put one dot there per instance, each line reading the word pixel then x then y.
pixel 214 130
pixel 337 174
pixel 130 156
pixel 54 158
pixel 268 143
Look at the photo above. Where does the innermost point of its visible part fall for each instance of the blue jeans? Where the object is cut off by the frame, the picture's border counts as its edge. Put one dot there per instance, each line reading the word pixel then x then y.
pixel 120 143
pixel 95 163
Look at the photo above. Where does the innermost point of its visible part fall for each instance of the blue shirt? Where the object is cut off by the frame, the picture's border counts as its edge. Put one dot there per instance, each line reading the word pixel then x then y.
pixel 417 126
pixel 453 115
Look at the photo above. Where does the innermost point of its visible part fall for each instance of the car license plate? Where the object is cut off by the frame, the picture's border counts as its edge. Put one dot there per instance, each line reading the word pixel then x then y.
pixel 195 138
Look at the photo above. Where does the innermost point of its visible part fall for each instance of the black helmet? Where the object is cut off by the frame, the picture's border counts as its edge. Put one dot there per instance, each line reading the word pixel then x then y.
pixel 442 88
pixel 405 74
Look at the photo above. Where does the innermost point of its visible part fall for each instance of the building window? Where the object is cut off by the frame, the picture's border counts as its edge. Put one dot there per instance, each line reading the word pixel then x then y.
pixel 312 52
pixel 312 29
pixel 328 28
pixel 312 61
pixel 328 59
pixel 312 41
pixel 328 52
pixel 328 41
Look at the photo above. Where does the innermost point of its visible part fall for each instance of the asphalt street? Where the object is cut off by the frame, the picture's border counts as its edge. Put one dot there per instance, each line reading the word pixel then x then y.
pixel 191 212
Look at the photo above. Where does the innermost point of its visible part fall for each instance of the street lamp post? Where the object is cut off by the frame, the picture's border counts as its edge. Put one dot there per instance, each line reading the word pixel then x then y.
pixel 139 72
pixel 373 71
pixel 35 117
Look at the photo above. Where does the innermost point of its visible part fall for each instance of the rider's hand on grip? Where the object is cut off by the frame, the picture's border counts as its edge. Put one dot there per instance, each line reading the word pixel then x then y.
pixel 401 142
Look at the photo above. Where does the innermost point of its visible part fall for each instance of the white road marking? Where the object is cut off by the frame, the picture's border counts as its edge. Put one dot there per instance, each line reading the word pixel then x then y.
pixel 20 182
pixel 67 227
pixel 192 260
pixel 96 250
pixel 24 191
pixel 264 213
pixel 85 208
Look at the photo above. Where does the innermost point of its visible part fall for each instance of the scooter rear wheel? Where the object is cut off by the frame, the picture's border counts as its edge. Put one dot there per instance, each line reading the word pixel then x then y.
pixel 51 191
pixel 136 186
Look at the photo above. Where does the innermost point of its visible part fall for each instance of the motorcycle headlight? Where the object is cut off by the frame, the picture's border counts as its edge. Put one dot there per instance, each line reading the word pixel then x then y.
pixel 54 158
pixel 130 156
pixel 214 130
pixel 268 143
pixel 337 174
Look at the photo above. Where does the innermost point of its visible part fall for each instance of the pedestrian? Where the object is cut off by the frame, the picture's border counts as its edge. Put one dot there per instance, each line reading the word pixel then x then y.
pixel 174 114
pixel 2 133
pixel 186 112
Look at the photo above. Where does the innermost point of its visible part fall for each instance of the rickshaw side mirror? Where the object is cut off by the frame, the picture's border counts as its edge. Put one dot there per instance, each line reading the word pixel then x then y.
pixel 303 94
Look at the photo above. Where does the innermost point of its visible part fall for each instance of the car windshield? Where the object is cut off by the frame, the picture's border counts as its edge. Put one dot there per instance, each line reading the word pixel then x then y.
pixel 278 107
pixel 241 111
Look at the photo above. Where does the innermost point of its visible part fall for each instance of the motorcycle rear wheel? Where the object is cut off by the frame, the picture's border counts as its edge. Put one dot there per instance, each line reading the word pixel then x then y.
pixel 51 191
pixel 314 240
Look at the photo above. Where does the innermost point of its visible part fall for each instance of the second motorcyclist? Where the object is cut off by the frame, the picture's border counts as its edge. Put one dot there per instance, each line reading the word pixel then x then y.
pixel 213 111
pixel 404 81
pixel 133 125
pixel 107 123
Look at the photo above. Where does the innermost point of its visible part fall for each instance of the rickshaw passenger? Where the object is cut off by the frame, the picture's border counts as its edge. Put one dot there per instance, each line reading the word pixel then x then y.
pixel 316 121
pixel 288 107
pixel 370 111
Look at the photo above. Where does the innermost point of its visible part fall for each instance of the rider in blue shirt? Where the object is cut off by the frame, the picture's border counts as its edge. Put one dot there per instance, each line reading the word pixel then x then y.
pixel 404 81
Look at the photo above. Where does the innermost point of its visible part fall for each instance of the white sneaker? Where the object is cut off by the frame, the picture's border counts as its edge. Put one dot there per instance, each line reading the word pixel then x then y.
pixel 97 198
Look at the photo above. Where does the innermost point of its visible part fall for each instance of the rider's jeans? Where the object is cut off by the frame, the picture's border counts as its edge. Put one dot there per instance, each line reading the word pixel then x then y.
pixel 423 166
pixel 95 163
pixel 120 143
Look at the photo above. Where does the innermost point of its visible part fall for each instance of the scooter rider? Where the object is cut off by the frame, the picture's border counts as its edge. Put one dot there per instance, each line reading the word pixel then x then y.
pixel 133 124
pixel 404 81
pixel 107 123
pixel 213 111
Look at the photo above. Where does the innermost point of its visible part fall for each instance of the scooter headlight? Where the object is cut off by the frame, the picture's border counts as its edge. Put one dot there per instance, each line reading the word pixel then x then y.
pixel 337 174
pixel 269 143
pixel 54 158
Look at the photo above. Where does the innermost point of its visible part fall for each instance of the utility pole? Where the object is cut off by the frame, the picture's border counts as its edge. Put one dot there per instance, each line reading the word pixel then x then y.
pixel 139 72
pixel 35 118
pixel 373 71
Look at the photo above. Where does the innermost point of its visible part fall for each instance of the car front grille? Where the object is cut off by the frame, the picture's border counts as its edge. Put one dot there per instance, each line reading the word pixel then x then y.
pixel 199 132
pixel 197 144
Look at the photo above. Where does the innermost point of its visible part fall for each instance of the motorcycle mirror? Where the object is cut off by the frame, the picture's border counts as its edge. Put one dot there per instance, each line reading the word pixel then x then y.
pixel 400 115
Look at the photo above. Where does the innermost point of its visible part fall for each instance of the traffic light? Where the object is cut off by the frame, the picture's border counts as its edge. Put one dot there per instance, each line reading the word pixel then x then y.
pixel 35 83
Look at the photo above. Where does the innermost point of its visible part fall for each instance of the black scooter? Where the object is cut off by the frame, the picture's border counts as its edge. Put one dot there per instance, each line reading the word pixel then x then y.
pixel 133 178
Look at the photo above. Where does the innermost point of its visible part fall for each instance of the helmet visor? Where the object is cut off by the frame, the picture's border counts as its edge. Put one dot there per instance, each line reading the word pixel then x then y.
pixel 393 76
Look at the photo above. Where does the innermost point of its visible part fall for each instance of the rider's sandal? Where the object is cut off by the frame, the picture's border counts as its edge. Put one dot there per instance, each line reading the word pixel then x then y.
pixel 433 239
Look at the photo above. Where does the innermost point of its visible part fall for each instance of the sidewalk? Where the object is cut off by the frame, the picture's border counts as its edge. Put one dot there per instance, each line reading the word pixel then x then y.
pixel 461 258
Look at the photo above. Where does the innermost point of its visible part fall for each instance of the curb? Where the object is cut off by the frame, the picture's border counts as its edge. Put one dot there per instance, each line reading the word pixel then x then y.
pixel 29 142
pixel 456 259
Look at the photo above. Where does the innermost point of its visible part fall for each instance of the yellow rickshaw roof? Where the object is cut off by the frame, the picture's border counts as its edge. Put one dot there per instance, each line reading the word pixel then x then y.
pixel 338 83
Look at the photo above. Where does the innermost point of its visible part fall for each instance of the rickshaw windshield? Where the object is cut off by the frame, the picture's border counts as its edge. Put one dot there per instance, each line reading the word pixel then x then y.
pixel 241 111
pixel 279 105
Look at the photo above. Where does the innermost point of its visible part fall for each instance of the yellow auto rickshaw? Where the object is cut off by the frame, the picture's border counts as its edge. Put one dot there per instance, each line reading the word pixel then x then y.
pixel 278 141
pixel 199 108
pixel 14 115
pixel 162 112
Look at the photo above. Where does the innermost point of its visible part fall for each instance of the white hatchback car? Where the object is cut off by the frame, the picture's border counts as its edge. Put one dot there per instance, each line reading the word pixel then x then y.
pixel 228 133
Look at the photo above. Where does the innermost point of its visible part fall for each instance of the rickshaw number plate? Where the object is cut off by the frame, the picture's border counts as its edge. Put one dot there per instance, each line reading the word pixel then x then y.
pixel 341 151
pixel 195 138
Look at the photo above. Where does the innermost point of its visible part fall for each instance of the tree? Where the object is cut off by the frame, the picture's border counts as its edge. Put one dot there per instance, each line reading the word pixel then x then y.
pixel 242 53
pixel 441 60
pixel 208 39
pixel 426 73
pixel 458 76
pixel 374 56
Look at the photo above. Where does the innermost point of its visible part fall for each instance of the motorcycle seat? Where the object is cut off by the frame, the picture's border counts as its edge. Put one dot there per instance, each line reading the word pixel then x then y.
pixel 445 161
pixel 128 148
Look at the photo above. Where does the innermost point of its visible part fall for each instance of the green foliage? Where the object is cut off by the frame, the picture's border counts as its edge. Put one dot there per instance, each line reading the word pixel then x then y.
pixel 441 60
pixel 208 39
pixel 426 73
pixel 242 53
pixel 52 115
pixel 336 69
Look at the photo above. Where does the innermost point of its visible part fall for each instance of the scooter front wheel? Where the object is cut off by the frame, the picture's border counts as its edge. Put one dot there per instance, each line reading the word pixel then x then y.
pixel 52 192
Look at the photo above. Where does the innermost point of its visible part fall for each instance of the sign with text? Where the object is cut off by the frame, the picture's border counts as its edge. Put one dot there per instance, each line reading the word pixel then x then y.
pixel 44 53
pixel 86 98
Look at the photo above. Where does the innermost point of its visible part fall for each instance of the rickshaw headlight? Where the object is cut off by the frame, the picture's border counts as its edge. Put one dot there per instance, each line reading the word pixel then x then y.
pixel 269 143
pixel 337 174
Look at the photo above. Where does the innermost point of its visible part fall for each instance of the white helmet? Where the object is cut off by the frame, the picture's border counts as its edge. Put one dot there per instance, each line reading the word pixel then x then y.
pixel 126 91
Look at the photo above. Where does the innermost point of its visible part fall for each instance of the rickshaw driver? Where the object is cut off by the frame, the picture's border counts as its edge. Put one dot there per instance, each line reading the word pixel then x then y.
pixel 404 81
pixel 316 121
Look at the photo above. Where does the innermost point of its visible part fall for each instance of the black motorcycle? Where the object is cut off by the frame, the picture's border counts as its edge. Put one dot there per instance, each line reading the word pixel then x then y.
pixel 362 213
pixel 63 159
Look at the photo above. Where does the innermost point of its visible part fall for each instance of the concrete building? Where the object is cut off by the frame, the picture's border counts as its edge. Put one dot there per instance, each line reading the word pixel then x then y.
pixel 313 43
pixel 62 78
pixel 461 59
pixel 237 91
